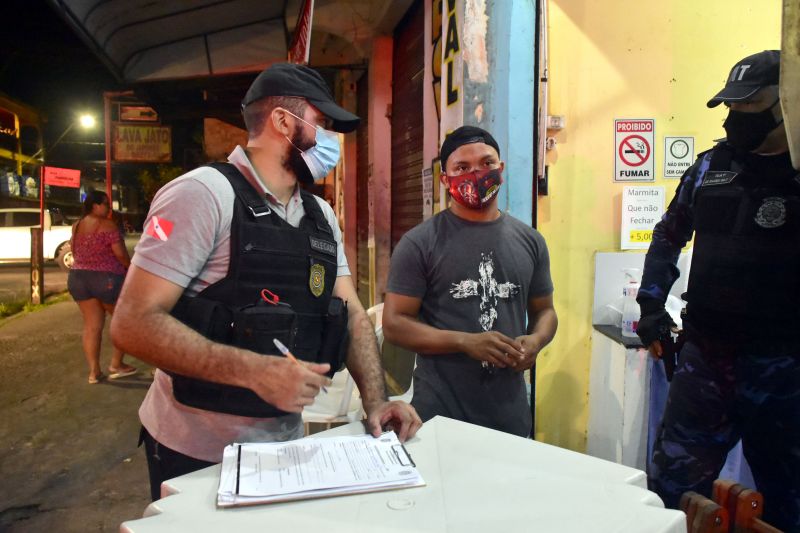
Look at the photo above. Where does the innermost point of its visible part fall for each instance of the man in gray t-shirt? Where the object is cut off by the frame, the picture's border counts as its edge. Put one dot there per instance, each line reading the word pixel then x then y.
pixel 461 286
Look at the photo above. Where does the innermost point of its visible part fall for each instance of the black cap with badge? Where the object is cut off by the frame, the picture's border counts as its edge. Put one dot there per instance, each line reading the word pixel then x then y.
pixel 748 76
pixel 289 79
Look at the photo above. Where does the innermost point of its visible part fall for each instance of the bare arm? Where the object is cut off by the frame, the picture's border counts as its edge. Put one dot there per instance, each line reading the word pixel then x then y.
pixel 117 248
pixel 402 327
pixel 363 360
pixel 142 326
pixel 364 364
pixel 542 326
pixel 121 253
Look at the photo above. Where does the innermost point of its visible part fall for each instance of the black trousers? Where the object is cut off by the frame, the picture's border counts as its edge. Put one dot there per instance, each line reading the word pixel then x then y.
pixel 716 398
pixel 165 463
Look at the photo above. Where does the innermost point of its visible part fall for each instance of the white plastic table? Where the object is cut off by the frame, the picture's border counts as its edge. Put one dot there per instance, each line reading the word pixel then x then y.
pixel 478 480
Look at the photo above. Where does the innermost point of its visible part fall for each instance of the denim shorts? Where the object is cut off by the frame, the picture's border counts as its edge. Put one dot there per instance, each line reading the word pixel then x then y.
pixel 88 284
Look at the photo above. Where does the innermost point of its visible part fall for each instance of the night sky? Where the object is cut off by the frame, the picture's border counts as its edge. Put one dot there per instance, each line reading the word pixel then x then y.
pixel 43 63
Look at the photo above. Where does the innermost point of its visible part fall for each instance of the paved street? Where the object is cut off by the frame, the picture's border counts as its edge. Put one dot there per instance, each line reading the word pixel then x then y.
pixel 69 457
pixel 15 280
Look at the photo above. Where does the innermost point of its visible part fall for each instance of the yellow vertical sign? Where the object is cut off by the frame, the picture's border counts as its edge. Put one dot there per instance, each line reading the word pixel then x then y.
pixel 451 96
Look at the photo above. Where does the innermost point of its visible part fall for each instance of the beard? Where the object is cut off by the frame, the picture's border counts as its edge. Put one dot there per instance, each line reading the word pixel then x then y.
pixel 294 161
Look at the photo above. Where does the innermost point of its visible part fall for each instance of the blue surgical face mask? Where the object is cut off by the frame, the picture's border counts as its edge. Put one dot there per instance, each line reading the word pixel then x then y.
pixel 324 155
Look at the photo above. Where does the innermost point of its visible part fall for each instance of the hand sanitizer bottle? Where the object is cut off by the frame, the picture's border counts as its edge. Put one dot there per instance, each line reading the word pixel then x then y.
pixel 630 308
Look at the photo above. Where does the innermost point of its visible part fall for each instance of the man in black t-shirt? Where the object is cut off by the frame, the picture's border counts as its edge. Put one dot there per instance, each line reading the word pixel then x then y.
pixel 462 286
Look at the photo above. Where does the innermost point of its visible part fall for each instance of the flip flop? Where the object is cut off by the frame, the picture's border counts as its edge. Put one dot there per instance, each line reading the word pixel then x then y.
pixel 94 380
pixel 122 372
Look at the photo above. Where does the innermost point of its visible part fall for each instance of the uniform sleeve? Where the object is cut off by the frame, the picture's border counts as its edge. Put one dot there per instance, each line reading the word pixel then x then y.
pixel 670 235
pixel 343 269
pixel 541 281
pixel 407 272
pixel 180 232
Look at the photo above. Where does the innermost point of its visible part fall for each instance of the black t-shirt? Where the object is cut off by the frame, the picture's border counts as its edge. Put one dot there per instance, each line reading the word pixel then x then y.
pixel 471 277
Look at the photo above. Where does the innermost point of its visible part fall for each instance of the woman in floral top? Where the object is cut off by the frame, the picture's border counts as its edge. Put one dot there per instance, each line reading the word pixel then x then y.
pixel 101 261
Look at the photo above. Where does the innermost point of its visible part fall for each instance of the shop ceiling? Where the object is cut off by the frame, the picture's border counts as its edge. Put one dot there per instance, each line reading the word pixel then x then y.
pixel 197 57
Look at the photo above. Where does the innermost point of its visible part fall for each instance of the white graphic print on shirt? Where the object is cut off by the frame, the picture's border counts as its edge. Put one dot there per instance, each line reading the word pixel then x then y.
pixel 487 288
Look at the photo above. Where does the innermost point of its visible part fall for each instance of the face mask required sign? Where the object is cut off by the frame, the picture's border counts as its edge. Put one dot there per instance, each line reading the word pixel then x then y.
pixel 633 149
pixel 642 208
pixel 678 155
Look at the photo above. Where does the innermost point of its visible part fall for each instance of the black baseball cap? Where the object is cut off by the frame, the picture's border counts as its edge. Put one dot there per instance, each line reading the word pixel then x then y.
pixel 465 135
pixel 748 76
pixel 289 79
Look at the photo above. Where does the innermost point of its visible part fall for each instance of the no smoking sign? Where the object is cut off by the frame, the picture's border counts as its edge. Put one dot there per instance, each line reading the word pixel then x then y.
pixel 634 149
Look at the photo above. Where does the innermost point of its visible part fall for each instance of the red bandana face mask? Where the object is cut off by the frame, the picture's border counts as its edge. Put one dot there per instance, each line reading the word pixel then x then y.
pixel 474 190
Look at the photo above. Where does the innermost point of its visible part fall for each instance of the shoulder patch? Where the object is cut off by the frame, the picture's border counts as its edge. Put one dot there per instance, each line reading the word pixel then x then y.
pixel 160 228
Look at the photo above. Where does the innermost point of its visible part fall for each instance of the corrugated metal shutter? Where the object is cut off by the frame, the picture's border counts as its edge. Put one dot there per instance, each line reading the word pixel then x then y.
pixel 408 68
pixel 362 190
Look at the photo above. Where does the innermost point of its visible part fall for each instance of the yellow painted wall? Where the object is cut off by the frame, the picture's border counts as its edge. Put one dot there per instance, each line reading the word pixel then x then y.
pixel 620 59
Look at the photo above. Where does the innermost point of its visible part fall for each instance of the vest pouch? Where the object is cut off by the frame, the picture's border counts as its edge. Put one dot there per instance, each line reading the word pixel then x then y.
pixel 210 318
pixel 335 336
pixel 255 327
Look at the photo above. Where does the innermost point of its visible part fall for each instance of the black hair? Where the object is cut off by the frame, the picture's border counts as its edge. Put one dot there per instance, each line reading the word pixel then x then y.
pixel 93 198
pixel 256 113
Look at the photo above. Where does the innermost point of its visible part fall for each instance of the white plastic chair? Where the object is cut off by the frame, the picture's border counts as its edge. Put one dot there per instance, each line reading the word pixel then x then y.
pixel 341 404
pixel 376 315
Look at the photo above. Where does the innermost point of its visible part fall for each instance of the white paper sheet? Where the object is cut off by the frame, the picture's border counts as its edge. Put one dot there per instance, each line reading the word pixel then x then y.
pixel 312 468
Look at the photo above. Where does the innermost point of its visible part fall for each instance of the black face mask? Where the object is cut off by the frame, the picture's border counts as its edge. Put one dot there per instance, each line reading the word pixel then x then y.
pixel 746 131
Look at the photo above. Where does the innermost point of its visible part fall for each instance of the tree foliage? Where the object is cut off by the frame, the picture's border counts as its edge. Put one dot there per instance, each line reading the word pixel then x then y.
pixel 153 181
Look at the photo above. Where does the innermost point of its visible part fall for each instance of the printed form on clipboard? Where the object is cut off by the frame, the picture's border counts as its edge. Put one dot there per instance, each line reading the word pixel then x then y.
pixel 254 473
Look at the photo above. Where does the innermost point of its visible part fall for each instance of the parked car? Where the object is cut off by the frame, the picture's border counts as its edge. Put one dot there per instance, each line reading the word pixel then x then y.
pixel 15 236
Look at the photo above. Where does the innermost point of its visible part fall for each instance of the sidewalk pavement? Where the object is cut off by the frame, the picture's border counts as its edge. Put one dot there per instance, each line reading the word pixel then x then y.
pixel 69 459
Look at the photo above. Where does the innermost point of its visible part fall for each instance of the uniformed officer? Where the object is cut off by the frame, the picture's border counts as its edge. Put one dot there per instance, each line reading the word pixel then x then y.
pixel 738 375
pixel 233 256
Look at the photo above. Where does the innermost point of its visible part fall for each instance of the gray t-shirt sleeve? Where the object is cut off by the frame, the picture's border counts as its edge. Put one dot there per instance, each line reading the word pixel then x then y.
pixel 407 272
pixel 192 214
pixel 343 269
pixel 541 282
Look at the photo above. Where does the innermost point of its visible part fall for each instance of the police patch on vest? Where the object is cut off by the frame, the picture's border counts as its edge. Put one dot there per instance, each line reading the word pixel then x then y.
pixel 718 177
pixel 323 246
pixel 316 280
pixel 772 213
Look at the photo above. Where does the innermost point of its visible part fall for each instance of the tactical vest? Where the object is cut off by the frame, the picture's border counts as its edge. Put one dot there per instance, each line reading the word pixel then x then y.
pixel 278 286
pixel 744 281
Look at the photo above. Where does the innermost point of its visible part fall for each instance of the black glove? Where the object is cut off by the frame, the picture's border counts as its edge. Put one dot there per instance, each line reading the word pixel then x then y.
pixel 655 323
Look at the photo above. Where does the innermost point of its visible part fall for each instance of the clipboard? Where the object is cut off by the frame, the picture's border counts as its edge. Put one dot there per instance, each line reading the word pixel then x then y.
pixel 257 473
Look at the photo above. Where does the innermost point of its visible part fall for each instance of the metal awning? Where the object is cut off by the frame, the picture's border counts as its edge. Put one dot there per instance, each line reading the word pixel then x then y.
pixel 149 40
pixel 146 40
pixel 196 58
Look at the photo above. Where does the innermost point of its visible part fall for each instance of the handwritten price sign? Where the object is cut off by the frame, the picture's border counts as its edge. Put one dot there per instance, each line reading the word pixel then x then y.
pixel 641 235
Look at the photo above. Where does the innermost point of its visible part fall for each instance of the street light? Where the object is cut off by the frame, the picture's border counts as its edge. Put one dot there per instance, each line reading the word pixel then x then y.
pixel 86 121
